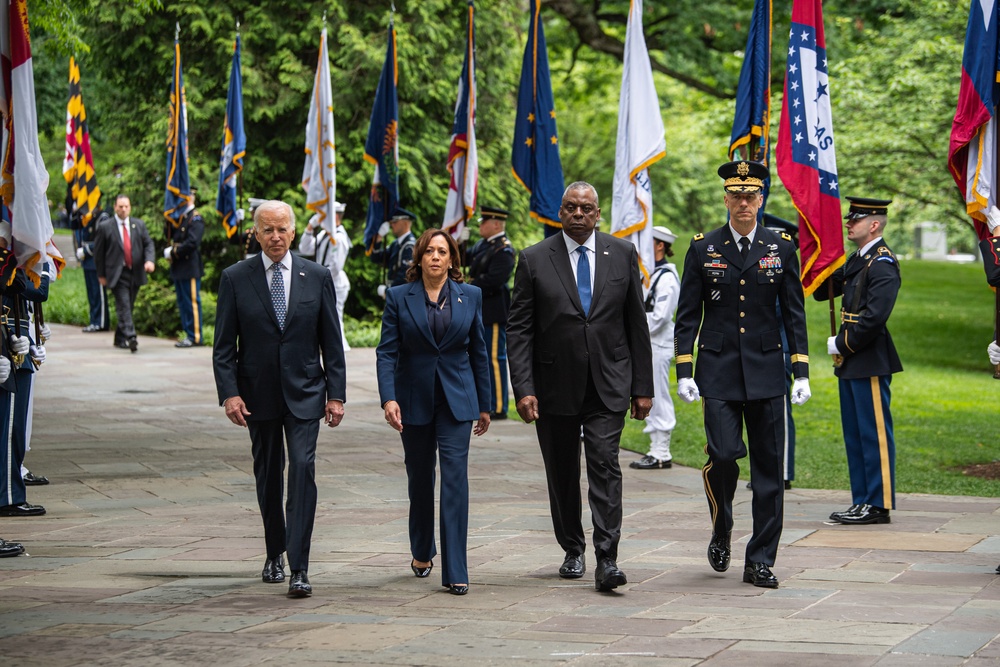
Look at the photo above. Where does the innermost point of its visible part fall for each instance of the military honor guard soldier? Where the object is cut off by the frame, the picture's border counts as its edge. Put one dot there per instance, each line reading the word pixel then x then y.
pixel 491 261
pixel 989 248
pixel 864 360
pixel 733 277
pixel 398 257
pixel 186 271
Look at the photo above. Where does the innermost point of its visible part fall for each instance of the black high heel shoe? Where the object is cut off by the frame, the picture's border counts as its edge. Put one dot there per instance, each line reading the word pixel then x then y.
pixel 458 589
pixel 421 572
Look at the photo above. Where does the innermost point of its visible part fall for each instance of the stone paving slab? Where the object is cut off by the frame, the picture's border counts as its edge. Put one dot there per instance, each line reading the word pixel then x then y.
pixel 151 550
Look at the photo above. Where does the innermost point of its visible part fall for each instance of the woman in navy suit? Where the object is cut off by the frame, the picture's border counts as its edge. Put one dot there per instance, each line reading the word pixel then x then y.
pixel 434 383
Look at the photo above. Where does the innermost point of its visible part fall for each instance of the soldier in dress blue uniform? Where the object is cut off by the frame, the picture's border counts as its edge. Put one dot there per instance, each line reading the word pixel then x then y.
pixel 491 261
pixel 990 250
pixel 864 360
pixel 398 257
pixel 97 296
pixel 186 270
pixel 733 277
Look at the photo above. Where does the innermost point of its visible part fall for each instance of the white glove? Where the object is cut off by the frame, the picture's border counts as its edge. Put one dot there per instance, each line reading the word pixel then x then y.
pixel 688 390
pixel 38 353
pixel 19 344
pixel 45 332
pixel 800 391
pixel 464 234
pixel 383 229
pixel 80 254
pixel 994 351
pixel 240 214
pixel 167 252
pixel 831 345
pixel 381 291
pixel 4 369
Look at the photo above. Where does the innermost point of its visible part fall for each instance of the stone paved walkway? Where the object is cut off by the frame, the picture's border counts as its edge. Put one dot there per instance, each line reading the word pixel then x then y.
pixel 152 546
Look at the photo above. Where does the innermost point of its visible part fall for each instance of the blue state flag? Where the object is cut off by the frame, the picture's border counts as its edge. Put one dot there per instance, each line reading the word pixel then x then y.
pixel 752 120
pixel 381 147
pixel 177 198
pixel 535 154
pixel 234 147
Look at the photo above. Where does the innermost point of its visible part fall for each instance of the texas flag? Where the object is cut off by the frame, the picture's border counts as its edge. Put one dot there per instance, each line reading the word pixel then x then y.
pixel 807 163
pixel 972 154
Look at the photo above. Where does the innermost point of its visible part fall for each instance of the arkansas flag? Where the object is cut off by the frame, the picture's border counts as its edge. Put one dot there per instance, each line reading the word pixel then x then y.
pixel 463 160
pixel 972 151
pixel 23 178
pixel 807 164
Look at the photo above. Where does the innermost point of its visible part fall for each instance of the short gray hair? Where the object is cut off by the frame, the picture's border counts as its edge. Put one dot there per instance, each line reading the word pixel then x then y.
pixel 274 205
pixel 582 185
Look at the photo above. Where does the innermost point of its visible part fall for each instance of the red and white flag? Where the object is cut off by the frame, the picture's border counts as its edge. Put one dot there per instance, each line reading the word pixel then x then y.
pixel 463 159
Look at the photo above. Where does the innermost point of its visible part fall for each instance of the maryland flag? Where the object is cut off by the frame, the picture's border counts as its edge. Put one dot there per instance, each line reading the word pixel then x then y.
pixel 78 165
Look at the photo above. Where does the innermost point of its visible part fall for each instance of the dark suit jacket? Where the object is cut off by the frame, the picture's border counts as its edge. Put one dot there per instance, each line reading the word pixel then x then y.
pixel 262 364
pixel 490 266
pixel 109 252
pixel 551 344
pixel 990 249
pixel 185 258
pixel 409 359
pixel 727 304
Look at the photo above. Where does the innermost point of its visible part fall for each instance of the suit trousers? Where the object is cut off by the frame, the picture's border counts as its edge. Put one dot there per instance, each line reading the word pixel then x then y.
pixel 125 291
pixel 97 297
pixel 189 304
pixel 871 447
pixel 496 346
pixel 559 440
pixel 13 413
pixel 765 422
pixel 422 445
pixel 289 529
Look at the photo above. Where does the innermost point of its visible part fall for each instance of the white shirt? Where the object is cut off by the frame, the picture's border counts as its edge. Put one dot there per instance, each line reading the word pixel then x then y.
pixel 286 276
pixel 868 246
pixel 574 256
pixel 737 236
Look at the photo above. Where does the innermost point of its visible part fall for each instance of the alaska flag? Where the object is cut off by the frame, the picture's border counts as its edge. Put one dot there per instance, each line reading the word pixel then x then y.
pixel 177 198
pixel 535 154
pixel 78 163
pixel 807 163
pixel 752 120
pixel 463 159
pixel 972 151
pixel 234 146
pixel 381 148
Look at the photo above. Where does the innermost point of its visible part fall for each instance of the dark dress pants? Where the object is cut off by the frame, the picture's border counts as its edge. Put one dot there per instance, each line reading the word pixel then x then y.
pixel 765 422
pixel 422 445
pixel 97 297
pixel 559 440
pixel 125 291
pixel 13 415
pixel 189 305
pixel 289 529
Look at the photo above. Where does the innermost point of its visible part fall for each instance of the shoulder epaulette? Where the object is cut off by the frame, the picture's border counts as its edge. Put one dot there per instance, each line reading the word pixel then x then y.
pixel 786 236
pixel 698 237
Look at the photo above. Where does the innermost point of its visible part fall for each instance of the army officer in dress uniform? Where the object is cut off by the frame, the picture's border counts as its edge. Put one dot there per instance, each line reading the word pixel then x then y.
pixel 733 277
pixel 865 360
pixel 491 262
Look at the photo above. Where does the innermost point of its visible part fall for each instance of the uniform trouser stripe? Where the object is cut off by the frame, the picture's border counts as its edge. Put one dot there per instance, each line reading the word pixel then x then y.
pixel 9 446
pixel 195 310
pixel 495 363
pixel 883 442
pixel 713 504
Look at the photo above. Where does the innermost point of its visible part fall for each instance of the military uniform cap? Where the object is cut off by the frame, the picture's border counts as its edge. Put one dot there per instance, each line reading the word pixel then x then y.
pixel 862 207
pixel 661 233
pixel 338 207
pixel 492 213
pixel 743 176
pixel 402 214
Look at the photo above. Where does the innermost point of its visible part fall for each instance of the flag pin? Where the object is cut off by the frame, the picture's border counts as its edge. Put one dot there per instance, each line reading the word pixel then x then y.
pixel 605 252
pixel 302 274
pixel 460 299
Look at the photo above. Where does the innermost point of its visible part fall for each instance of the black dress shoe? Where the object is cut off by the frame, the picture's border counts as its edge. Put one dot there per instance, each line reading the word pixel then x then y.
pixel 573 566
pixel 835 516
pixel 35 480
pixel 421 572
pixel 866 514
pixel 299 586
pixel 274 570
pixel 8 549
pixel 458 589
pixel 648 462
pixel 123 344
pixel 719 551
pixel 759 574
pixel 788 484
pixel 24 509
pixel 133 344
pixel 494 416
pixel 608 576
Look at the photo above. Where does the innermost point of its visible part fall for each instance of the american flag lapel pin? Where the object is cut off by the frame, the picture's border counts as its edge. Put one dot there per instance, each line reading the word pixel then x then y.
pixel 302 274
pixel 460 299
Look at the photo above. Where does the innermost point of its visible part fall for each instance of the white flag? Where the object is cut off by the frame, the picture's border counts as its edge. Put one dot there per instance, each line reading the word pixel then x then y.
pixel 640 144
pixel 319 176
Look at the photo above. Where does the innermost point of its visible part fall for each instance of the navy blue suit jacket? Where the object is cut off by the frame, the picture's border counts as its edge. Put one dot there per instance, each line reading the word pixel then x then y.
pixel 408 358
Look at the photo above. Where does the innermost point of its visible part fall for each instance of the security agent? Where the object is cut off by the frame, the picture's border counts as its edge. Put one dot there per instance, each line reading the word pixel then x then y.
pixel 864 360
pixel 398 257
pixel 733 276
pixel 491 261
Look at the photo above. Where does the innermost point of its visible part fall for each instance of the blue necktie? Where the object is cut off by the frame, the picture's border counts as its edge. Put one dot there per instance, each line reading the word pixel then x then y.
pixel 278 294
pixel 583 279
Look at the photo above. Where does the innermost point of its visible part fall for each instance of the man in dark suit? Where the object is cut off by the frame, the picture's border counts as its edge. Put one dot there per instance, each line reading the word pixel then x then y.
pixel 491 261
pixel 123 255
pixel 186 270
pixel 580 356
pixel 279 368
pixel 865 359
pixel 733 277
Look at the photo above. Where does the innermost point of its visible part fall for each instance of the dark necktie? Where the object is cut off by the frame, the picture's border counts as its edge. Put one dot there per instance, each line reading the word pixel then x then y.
pixel 278 293
pixel 127 245
pixel 744 247
pixel 583 279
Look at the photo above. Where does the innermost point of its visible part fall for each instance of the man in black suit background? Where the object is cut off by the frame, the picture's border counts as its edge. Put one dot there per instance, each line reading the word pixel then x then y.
pixel 579 353
pixel 279 369
pixel 123 255
pixel 733 277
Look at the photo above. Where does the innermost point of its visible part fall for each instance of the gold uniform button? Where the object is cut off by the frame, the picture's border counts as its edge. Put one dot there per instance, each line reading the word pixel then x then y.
pixel 772 280
pixel 742 298
pixel 743 282
pixel 743 314
pixel 742 330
